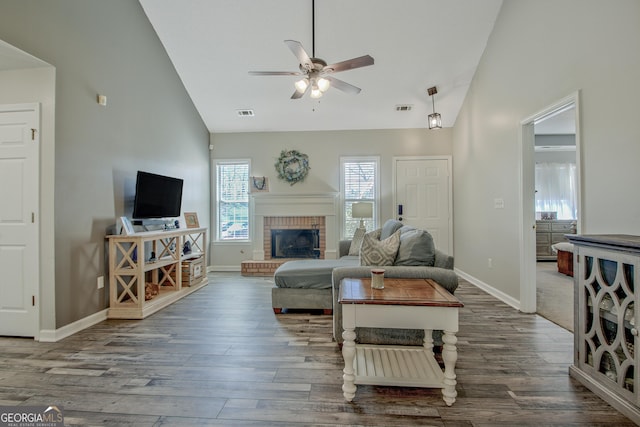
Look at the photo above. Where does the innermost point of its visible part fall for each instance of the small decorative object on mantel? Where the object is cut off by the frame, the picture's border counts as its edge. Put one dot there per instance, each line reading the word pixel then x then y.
pixel 191 219
pixel 259 184
pixel 292 166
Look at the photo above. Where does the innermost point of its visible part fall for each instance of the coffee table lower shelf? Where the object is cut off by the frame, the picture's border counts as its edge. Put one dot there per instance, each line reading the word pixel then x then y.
pixel 397 366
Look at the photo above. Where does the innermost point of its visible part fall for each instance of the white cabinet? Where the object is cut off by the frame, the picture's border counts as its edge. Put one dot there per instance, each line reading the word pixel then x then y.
pixel 605 325
pixel 153 257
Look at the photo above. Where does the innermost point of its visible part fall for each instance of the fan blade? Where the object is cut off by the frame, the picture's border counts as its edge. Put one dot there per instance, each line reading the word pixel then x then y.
pixel 343 86
pixel 300 53
pixel 275 73
pixel 297 94
pixel 349 64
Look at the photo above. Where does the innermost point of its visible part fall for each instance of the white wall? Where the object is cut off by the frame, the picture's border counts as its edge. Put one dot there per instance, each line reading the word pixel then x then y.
pixel 540 52
pixel 324 150
pixel 37 85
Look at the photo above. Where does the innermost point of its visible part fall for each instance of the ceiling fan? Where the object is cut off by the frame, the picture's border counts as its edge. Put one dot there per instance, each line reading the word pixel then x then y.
pixel 316 73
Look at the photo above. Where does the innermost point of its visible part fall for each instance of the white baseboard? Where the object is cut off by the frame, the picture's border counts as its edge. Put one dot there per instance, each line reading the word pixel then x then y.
pixel 48 335
pixel 507 299
pixel 224 268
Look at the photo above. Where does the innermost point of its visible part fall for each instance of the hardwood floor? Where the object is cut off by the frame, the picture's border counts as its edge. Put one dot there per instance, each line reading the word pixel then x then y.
pixel 221 357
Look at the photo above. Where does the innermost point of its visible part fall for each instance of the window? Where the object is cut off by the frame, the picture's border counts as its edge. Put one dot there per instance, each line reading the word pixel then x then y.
pixel 359 179
pixel 556 189
pixel 232 200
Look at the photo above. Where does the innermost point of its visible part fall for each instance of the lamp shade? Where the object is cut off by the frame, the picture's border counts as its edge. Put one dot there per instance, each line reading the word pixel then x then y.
pixel 362 210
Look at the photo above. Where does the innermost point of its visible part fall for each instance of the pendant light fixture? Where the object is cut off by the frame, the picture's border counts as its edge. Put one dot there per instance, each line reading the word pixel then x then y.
pixel 435 120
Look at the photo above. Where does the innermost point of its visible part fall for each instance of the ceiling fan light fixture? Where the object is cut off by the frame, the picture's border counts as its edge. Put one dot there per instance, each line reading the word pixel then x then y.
pixel 312 69
pixel 434 119
pixel 323 84
pixel 301 85
pixel 315 91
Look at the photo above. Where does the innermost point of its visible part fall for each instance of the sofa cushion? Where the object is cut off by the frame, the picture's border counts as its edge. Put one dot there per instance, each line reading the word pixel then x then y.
pixel 379 252
pixel 390 227
pixel 310 273
pixel 416 248
pixel 356 242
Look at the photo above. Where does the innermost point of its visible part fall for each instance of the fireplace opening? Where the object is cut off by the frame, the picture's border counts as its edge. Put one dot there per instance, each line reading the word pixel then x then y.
pixel 295 243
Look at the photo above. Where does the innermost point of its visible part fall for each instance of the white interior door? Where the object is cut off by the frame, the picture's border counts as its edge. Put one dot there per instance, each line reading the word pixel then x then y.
pixel 423 197
pixel 19 175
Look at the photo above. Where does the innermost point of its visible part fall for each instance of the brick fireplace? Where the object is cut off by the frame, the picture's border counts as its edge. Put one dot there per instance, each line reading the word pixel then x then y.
pixel 290 211
pixel 293 223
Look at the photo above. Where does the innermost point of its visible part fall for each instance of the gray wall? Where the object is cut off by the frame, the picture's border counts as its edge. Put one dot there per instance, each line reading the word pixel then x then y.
pixel 324 150
pixel 539 53
pixel 106 47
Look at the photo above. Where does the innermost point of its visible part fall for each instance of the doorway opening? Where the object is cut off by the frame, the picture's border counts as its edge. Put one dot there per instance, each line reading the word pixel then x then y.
pixel 550 143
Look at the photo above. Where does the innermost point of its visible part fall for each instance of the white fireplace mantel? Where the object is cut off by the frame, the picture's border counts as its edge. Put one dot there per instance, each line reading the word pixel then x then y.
pixel 295 204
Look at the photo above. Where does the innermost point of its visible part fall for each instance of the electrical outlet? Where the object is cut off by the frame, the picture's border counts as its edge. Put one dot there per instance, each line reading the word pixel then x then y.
pixel 100 282
pixel 490 263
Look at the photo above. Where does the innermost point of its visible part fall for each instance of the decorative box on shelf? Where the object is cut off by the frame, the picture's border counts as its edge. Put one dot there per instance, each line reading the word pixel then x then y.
pixel 192 270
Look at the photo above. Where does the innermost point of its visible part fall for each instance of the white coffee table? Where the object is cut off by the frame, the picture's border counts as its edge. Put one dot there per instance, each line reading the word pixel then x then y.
pixel 405 304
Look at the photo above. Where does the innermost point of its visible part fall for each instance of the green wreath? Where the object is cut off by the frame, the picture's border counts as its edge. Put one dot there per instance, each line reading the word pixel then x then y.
pixel 292 166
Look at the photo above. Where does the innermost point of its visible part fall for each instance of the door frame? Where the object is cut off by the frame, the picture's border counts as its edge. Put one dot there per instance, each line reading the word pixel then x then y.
pixel 527 196
pixel 449 160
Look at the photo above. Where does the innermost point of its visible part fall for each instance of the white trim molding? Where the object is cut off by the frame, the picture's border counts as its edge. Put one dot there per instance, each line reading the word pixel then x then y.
pixel 48 335
pixel 507 299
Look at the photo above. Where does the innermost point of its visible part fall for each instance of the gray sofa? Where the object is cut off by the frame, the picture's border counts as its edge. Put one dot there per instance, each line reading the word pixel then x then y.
pixel 315 283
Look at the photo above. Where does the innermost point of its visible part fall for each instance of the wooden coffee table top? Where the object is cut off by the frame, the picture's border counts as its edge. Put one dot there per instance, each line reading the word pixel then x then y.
pixel 420 292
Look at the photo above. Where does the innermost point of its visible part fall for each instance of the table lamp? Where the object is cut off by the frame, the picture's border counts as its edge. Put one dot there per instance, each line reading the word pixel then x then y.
pixel 362 210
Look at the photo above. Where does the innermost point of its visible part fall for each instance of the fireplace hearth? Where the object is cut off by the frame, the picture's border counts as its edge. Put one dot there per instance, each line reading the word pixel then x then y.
pixel 299 243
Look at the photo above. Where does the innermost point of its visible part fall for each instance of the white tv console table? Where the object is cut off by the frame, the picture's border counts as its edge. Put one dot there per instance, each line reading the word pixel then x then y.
pixel 130 269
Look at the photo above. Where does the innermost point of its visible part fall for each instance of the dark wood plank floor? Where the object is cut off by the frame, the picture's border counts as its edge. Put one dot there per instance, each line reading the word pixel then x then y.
pixel 221 357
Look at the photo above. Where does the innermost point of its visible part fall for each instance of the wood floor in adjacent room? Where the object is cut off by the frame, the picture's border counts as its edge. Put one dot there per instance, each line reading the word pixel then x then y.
pixel 221 357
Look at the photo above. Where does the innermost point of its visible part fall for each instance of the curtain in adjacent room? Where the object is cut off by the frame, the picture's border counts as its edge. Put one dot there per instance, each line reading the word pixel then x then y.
pixel 556 189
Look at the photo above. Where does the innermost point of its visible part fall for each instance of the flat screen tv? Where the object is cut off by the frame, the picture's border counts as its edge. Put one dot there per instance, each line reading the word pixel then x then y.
pixel 157 196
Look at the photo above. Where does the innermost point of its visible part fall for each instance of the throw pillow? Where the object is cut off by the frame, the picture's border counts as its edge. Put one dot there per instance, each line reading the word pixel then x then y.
pixel 390 227
pixel 416 248
pixel 379 252
pixel 356 242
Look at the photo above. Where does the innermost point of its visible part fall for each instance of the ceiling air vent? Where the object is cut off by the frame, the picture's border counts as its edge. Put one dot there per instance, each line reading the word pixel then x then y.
pixel 245 113
pixel 404 107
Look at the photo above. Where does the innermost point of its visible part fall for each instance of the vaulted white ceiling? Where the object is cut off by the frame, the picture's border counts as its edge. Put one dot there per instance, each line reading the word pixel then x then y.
pixel 416 44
